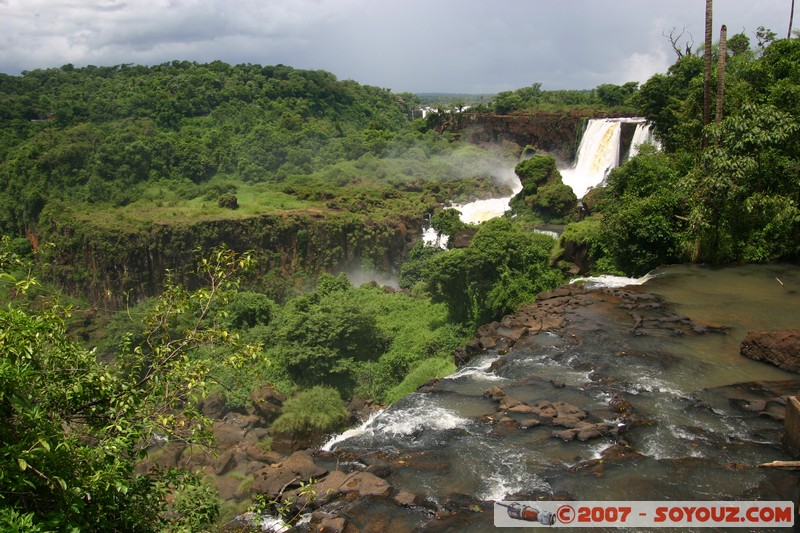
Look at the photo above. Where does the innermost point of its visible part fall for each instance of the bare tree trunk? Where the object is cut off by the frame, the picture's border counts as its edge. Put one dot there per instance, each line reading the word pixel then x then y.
pixel 707 73
pixel 723 57
pixel 791 21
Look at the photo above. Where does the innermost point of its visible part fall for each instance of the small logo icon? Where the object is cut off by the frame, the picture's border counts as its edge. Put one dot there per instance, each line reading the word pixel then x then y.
pixel 529 514
pixel 565 514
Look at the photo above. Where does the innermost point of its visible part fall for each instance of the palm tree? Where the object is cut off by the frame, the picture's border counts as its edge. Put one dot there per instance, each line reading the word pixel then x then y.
pixel 723 57
pixel 707 73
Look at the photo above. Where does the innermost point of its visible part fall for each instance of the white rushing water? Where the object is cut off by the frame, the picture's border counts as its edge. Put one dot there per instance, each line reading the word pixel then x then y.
pixel 430 237
pixel 483 210
pixel 420 415
pixel 599 152
pixel 641 135
pixel 611 281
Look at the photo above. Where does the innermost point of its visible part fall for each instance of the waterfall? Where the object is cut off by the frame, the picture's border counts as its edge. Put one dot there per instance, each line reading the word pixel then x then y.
pixel 599 152
pixel 643 134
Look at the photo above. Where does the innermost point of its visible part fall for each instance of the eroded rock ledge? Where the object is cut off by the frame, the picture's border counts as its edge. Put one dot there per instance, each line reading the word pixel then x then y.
pixel 780 347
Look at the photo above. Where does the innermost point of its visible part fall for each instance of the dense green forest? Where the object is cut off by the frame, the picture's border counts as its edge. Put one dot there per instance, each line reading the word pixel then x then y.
pixel 107 154
pixel 728 192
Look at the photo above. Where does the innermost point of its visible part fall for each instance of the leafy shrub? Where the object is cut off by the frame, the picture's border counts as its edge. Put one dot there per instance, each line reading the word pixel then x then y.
pixel 447 221
pixel 228 201
pixel 424 372
pixel 249 309
pixel 319 408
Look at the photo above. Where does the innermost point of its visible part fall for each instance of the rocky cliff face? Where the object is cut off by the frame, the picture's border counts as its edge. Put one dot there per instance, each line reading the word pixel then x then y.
pixel 113 266
pixel 557 133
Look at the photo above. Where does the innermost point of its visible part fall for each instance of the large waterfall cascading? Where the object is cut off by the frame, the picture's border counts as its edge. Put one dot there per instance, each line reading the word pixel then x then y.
pixel 599 152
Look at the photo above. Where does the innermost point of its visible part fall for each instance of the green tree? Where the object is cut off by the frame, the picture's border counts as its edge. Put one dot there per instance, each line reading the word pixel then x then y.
pixel 324 335
pixel 502 268
pixel 447 221
pixel 74 428
pixel 744 204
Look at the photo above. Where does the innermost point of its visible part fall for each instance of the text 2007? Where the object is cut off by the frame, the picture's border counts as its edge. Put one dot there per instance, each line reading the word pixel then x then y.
pixel 603 514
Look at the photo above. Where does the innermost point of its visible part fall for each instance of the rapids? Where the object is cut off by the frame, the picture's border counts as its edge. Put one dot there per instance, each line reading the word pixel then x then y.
pixel 698 439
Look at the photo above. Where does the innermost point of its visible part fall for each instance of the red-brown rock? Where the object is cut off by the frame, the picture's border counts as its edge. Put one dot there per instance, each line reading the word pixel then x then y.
pixel 780 347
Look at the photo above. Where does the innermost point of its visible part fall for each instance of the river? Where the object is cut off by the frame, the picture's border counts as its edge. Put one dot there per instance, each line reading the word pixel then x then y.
pixel 696 437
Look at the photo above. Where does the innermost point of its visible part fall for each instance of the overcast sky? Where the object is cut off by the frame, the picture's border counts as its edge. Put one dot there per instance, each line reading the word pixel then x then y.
pixel 467 46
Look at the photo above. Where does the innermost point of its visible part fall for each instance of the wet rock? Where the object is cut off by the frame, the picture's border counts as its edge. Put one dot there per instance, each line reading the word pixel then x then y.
pixel 488 330
pixel 487 343
pixel 582 431
pixel 755 406
pixel 566 435
pixel 327 523
pixel 366 484
pixel 425 461
pixel 507 421
pixel 289 443
pixel 277 477
pixel 555 293
pixel 620 405
pixel 619 452
pixel 473 347
pixel 521 408
pixel 266 403
pixel 778 347
pixel 461 357
pixel 330 486
pixel 405 498
pixel 591 431
pixel 513 333
pixel 507 402
pixel 498 364
pixel 495 393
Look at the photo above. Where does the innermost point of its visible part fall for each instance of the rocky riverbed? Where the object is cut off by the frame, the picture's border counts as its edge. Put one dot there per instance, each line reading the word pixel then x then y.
pixel 569 398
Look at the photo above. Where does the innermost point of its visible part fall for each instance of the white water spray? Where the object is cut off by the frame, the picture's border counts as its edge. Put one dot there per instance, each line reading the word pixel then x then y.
pixel 483 210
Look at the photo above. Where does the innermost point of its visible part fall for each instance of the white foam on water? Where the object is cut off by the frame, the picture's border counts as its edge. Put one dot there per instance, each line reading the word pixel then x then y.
pixel 352 432
pixel 483 210
pixel 270 524
pixel 401 422
pixel 612 282
pixel 478 369
pixel 511 477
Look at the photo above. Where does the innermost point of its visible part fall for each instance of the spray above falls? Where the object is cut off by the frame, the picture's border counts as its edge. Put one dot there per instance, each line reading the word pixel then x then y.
pixel 601 150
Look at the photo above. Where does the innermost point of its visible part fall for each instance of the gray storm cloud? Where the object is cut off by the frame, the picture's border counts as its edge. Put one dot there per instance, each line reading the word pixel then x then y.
pixel 416 45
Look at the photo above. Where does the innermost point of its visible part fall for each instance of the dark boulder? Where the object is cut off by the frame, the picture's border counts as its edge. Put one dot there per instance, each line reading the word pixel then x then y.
pixel 780 347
